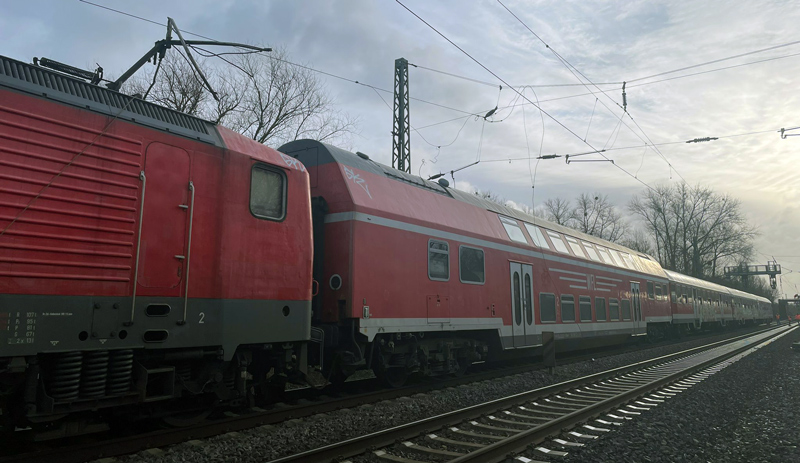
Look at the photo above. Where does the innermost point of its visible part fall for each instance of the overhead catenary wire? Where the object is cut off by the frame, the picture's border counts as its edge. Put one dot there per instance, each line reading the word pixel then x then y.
pixel 680 142
pixel 571 67
pixel 309 68
pixel 468 114
pixel 642 84
pixel 523 96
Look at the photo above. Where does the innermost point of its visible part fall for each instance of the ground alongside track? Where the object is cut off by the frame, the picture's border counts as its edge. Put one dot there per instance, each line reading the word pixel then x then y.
pixel 748 412
pixel 271 442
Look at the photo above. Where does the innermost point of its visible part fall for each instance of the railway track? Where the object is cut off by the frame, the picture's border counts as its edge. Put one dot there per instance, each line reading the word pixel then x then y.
pixel 547 422
pixel 299 404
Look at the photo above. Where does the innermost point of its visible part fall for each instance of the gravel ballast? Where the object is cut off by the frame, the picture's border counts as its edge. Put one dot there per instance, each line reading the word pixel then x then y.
pixel 272 442
pixel 748 412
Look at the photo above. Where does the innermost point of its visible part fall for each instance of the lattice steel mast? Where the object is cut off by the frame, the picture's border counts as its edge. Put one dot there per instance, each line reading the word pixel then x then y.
pixel 401 132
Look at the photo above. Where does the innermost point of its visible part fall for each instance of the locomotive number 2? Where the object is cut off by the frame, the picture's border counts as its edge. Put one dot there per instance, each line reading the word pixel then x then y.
pixel 202 317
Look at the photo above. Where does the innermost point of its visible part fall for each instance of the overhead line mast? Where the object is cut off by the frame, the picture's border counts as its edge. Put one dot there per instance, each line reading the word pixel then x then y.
pixel 401 132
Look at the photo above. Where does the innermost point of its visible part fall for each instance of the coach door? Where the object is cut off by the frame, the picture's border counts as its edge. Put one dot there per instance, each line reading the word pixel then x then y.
pixel 162 250
pixel 636 303
pixel 522 304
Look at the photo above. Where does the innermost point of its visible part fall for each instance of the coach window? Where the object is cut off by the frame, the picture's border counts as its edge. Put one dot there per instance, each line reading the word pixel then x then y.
pixel 605 255
pixel 626 309
pixel 547 307
pixel 591 251
pixel 618 257
pixel 267 193
pixel 613 310
pixel 438 260
pixel 629 262
pixel 517 299
pixel 650 291
pixel 585 307
pixel 673 295
pixel 555 238
pixel 513 230
pixel 471 265
pixel 658 292
pixel 567 308
pixel 576 248
pixel 600 308
pixel 536 236
pixel 528 299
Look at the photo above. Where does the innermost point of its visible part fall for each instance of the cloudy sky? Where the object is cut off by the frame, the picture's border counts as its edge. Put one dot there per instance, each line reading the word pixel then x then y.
pixel 606 41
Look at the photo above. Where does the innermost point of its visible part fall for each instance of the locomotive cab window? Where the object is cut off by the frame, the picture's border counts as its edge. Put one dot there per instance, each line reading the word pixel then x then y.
pixel 513 230
pixel 438 260
pixel 471 265
pixel 547 307
pixel 267 193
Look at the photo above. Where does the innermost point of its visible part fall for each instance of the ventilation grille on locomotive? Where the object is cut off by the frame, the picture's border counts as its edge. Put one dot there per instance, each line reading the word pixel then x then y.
pixel 27 77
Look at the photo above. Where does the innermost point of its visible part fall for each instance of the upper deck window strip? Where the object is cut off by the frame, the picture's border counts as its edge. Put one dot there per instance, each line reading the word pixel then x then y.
pixel 536 236
pixel 485 243
pixel 513 230
pixel 576 248
pixel 591 251
pixel 555 238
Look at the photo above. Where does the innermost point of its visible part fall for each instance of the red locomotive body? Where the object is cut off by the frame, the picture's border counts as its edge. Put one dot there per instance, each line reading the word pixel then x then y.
pixel 139 245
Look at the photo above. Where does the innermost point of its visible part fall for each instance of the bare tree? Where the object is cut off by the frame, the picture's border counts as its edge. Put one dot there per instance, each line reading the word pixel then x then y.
pixel 262 97
pixel 695 230
pixel 558 210
pixel 173 86
pixel 490 196
pixel 596 216
pixel 638 240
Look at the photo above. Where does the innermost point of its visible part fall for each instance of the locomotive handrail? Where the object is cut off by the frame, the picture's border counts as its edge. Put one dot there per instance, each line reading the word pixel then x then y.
pixel 143 178
pixel 188 256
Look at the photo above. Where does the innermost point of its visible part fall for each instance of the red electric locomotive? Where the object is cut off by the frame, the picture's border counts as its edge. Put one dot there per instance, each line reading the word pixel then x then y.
pixel 145 255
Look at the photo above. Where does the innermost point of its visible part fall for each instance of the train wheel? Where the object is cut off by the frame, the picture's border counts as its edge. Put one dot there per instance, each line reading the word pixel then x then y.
pixel 191 417
pixel 393 376
pixel 463 366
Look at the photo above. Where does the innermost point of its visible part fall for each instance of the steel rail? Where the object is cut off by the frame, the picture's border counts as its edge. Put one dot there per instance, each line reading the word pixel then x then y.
pixel 499 452
pixel 387 437
pixel 312 405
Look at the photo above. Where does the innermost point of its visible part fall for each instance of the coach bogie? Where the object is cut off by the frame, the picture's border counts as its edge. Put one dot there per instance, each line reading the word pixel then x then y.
pixel 396 356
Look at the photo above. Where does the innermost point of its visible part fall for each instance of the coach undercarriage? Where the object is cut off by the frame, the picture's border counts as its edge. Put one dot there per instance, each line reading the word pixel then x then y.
pixel 393 357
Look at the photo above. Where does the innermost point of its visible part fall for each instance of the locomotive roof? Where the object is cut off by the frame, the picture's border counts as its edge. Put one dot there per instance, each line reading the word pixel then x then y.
pixel 53 85
pixel 327 153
